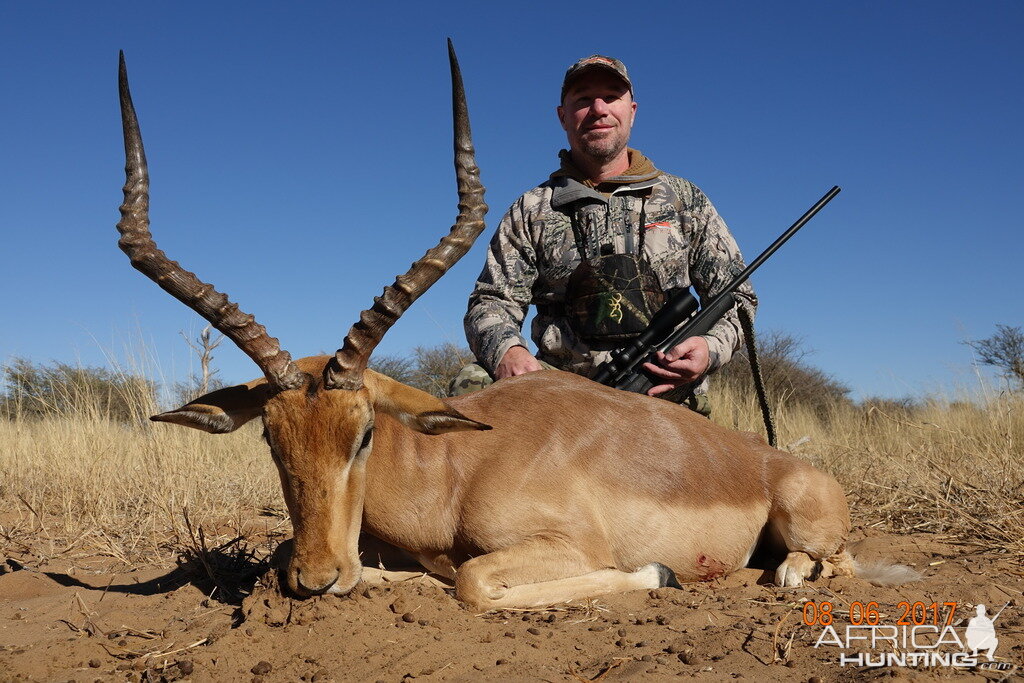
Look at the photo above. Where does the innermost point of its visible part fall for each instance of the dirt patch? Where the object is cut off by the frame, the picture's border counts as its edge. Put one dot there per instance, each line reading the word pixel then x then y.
pixel 79 619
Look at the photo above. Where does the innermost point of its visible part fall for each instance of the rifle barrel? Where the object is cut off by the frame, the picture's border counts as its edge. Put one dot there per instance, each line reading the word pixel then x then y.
pixel 774 246
pixel 624 361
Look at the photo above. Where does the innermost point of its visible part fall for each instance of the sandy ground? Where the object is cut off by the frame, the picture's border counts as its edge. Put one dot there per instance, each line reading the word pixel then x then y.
pixel 80 620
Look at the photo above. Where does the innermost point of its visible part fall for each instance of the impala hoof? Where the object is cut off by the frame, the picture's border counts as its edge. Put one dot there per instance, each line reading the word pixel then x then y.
pixel 666 577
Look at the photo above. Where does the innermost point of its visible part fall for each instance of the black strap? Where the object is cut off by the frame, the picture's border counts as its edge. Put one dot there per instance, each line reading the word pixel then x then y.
pixel 755 370
pixel 577 233
pixel 643 223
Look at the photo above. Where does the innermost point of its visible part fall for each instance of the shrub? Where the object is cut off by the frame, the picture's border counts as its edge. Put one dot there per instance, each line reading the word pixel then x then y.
pixel 789 379
pixel 431 368
pixel 36 390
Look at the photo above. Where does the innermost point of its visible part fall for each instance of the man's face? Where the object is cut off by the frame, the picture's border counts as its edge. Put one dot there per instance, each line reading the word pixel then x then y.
pixel 597 114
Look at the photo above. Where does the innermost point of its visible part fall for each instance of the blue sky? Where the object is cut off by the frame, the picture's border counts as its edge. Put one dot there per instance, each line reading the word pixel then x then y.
pixel 300 157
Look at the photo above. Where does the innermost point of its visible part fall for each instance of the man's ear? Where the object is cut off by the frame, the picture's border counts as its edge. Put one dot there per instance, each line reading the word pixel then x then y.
pixel 559 111
pixel 416 409
pixel 221 411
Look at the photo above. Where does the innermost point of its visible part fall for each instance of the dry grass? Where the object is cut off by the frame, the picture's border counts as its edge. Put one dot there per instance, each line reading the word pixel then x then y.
pixel 83 482
pixel 949 467
pixel 138 492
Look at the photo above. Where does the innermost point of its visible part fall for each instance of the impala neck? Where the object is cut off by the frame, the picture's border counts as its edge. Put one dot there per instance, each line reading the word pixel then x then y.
pixel 411 489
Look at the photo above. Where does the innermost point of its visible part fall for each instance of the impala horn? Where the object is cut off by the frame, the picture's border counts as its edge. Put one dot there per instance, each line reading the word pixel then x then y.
pixel 137 242
pixel 345 370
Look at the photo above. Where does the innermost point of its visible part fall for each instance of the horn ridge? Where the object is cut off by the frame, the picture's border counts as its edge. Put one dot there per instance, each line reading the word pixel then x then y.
pixel 137 242
pixel 345 370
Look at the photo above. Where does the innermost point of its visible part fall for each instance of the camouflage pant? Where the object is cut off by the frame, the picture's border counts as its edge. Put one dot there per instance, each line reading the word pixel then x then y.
pixel 473 377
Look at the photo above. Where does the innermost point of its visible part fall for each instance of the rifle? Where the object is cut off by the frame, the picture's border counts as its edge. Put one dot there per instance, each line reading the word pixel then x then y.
pixel 624 370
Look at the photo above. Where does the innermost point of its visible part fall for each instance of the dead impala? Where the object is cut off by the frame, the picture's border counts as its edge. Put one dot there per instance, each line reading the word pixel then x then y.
pixel 543 488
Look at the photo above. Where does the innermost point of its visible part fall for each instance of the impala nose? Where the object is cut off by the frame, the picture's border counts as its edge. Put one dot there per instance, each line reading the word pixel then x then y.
pixel 315 583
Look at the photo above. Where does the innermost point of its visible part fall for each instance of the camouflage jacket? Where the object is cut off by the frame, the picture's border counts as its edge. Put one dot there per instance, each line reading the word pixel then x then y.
pixel 533 253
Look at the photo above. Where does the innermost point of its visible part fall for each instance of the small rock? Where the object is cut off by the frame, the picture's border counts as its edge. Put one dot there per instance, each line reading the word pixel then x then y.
pixel 185 667
pixel 534 630
pixel 509 634
pixel 95 663
pixel 408 617
pixel 424 622
pixel 262 668
pixel 663 619
pixel 500 662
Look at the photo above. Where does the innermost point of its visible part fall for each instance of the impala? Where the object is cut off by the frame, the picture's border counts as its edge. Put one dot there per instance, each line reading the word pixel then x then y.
pixel 543 488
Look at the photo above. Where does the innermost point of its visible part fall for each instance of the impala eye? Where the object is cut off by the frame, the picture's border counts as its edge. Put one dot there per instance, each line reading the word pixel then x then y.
pixel 366 438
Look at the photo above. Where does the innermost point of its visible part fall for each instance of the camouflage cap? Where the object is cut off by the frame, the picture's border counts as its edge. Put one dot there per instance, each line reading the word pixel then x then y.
pixel 595 61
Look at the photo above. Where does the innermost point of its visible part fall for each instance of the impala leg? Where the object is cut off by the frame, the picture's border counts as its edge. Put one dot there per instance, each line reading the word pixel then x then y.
pixel 541 572
pixel 811 518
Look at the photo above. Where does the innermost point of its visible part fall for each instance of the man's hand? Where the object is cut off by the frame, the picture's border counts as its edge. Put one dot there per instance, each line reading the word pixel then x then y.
pixel 684 363
pixel 516 361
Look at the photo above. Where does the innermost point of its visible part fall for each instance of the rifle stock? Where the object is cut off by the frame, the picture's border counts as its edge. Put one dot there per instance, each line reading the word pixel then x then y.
pixel 624 370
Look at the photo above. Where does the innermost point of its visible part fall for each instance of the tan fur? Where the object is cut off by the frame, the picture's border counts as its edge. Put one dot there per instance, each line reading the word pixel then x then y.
pixel 553 488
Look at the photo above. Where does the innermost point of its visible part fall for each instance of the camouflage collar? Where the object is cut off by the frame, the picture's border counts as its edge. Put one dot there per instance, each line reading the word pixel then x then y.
pixel 566 190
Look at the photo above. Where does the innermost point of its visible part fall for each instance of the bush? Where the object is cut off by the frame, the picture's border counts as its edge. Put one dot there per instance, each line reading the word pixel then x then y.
pixel 38 390
pixel 431 369
pixel 788 378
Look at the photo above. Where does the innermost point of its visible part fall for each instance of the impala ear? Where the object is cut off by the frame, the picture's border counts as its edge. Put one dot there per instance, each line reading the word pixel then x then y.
pixel 416 409
pixel 221 411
